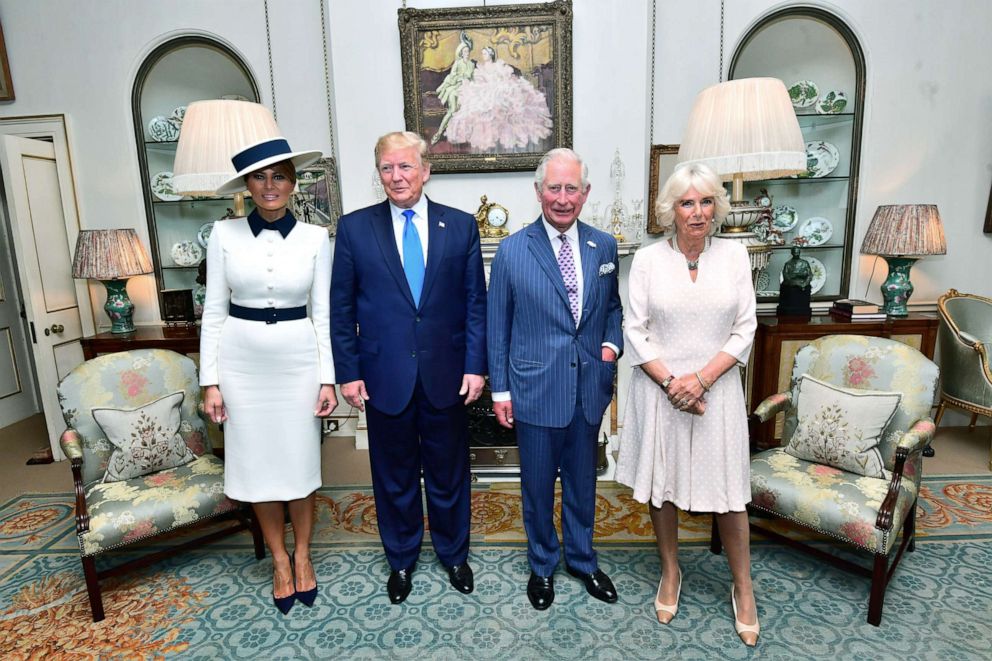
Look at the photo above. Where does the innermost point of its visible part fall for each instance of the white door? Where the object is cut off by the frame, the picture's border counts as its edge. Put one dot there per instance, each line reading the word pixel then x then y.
pixel 18 396
pixel 41 204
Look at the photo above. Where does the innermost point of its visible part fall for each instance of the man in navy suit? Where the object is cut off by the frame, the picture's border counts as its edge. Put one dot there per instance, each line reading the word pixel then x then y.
pixel 408 331
pixel 554 337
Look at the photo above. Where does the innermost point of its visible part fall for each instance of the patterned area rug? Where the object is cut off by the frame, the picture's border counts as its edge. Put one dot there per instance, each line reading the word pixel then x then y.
pixel 214 603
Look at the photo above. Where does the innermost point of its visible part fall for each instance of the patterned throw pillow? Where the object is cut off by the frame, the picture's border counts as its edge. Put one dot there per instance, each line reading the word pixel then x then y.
pixel 842 427
pixel 146 439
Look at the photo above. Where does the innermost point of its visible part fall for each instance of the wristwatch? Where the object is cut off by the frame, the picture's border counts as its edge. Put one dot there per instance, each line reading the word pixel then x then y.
pixel 667 382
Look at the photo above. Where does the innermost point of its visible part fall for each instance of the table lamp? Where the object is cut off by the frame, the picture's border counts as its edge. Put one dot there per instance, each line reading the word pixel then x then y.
pixel 745 130
pixel 112 256
pixel 213 131
pixel 902 233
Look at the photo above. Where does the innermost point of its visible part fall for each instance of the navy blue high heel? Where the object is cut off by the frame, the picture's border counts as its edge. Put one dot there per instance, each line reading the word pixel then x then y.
pixel 307 597
pixel 284 603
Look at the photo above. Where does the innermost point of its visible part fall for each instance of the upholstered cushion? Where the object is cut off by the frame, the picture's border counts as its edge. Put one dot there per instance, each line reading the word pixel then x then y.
pixel 829 500
pixel 841 427
pixel 146 439
pixel 125 512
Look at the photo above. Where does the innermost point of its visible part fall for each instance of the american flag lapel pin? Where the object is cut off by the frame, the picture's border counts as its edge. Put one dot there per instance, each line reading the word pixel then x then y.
pixel 590 244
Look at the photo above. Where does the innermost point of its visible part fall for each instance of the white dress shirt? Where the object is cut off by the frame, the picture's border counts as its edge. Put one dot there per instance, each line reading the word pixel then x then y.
pixel 419 221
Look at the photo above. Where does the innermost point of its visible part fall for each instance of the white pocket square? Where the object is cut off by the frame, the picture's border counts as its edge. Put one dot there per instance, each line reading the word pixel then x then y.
pixel 607 268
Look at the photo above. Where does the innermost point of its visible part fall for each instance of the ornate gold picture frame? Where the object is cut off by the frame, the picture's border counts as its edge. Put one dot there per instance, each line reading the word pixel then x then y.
pixel 663 161
pixel 489 87
pixel 6 84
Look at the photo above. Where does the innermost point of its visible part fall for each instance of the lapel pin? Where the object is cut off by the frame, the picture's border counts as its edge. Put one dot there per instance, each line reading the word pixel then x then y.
pixel 590 244
pixel 440 224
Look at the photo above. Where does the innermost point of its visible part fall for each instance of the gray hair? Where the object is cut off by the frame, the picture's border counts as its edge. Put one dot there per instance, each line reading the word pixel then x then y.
pixel 401 140
pixel 563 154
pixel 706 183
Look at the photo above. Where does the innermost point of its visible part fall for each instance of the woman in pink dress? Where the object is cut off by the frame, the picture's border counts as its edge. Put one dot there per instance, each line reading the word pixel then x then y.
pixel 499 110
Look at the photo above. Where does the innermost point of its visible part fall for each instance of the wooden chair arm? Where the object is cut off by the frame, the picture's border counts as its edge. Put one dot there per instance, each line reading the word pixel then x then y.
pixel 771 406
pixel 913 441
pixel 72 446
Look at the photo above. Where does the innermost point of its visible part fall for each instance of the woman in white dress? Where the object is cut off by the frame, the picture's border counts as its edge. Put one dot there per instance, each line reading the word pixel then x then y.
pixel 690 323
pixel 265 362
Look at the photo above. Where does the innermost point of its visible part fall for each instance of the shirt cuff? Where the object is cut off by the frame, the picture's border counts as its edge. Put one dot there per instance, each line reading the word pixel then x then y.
pixel 616 349
pixel 503 396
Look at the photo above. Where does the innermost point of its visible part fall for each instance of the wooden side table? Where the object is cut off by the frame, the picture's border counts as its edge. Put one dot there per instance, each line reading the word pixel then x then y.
pixel 778 339
pixel 181 339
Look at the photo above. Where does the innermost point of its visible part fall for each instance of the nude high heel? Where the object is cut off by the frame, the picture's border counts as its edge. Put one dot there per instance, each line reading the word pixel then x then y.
pixel 744 628
pixel 671 609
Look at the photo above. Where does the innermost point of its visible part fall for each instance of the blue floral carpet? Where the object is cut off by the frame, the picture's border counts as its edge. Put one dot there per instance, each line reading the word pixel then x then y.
pixel 214 603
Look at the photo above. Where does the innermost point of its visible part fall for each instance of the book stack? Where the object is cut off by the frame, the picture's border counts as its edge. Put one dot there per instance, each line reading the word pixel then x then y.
pixel 856 310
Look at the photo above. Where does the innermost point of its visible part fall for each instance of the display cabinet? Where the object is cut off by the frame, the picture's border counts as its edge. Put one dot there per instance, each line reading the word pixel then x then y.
pixel 180 71
pixel 803 45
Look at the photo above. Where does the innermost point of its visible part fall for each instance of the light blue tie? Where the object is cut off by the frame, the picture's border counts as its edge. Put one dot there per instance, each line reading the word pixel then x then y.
pixel 413 256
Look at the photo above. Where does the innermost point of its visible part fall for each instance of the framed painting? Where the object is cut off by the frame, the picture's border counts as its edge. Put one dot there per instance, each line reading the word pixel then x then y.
pixel 490 88
pixel 663 161
pixel 6 84
pixel 318 198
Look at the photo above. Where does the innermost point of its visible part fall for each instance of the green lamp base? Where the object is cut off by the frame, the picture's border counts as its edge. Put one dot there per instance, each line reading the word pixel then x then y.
pixel 119 307
pixel 897 288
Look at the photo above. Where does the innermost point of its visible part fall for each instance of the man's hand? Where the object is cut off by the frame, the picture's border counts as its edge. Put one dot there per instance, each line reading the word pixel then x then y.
pixel 355 394
pixel 504 413
pixel 213 404
pixel 327 401
pixel 472 386
pixel 609 356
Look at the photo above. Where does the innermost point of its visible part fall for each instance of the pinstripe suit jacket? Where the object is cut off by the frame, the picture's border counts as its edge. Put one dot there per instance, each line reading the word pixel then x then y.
pixel 535 350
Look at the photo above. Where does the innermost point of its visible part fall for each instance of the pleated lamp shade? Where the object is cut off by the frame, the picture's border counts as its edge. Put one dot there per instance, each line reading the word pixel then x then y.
pixel 745 127
pixel 212 132
pixel 905 229
pixel 109 255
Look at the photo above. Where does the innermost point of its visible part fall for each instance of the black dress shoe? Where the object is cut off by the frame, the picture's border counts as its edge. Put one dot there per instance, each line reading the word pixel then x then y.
pixel 461 577
pixel 399 584
pixel 541 591
pixel 598 584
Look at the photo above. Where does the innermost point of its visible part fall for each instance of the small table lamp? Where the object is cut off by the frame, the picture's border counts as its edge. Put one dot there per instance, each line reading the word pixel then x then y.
pixel 212 132
pixel 112 256
pixel 902 233
pixel 745 130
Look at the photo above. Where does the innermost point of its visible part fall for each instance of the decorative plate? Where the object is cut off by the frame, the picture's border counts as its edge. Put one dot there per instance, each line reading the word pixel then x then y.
pixel 234 97
pixel 831 103
pixel 784 218
pixel 803 93
pixel 178 115
pixel 203 235
pixel 199 296
pixel 163 188
pixel 819 274
pixel 815 230
pixel 162 130
pixel 821 159
pixel 186 253
pixel 763 280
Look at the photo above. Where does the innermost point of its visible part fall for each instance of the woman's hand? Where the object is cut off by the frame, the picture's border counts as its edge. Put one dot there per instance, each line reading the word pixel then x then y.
pixel 213 404
pixel 686 394
pixel 327 401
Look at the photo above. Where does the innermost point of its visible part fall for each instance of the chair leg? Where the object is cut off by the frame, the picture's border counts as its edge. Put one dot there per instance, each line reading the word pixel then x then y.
pixel 974 421
pixel 93 588
pixel 940 413
pixel 716 544
pixel 256 535
pixel 878 585
pixel 909 528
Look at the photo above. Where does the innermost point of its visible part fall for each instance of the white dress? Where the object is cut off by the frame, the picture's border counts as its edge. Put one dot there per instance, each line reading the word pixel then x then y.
pixel 699 463
pixel 269 374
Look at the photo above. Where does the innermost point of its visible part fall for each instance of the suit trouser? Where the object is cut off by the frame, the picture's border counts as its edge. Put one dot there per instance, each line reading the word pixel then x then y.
pixel 421 436
pixel 543 451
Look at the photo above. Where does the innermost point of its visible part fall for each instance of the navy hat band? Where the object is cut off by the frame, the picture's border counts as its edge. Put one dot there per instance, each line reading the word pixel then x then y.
pixel 260 152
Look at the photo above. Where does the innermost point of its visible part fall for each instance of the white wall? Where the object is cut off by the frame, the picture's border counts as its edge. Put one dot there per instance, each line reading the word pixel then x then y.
pixel 928 100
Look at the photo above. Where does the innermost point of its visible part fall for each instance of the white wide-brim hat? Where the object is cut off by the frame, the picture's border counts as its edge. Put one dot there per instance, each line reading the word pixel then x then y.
pixel 261 154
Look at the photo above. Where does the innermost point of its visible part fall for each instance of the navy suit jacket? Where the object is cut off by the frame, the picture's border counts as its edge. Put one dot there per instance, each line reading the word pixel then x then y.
pixel 380 336
pixel 535 350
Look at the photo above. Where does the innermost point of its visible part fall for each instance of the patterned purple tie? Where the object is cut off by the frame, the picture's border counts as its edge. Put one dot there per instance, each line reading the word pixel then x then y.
pixel 566 263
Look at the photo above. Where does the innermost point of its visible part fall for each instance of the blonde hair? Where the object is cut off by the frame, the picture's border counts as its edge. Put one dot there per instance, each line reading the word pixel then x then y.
pixel 706 183
pixel 401 140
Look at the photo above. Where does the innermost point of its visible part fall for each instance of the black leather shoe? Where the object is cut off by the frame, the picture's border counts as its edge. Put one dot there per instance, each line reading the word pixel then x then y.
pixel 541 591
pixel 461 577
pixel 597 583
pixel 399 584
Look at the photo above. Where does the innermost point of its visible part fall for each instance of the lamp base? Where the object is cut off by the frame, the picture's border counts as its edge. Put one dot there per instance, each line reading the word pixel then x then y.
pixel 119 307
pixel 897 288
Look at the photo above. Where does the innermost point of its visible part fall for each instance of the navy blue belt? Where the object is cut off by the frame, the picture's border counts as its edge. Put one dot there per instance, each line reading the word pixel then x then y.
pixel 268 315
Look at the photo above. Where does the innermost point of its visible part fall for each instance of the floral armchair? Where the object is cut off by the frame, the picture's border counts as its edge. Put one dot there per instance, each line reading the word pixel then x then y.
pixel 965 345
pixel 115 514
pixel 865 512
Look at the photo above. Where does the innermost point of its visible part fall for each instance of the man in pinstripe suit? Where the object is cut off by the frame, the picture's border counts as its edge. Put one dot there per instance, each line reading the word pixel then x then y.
pixel 554 336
